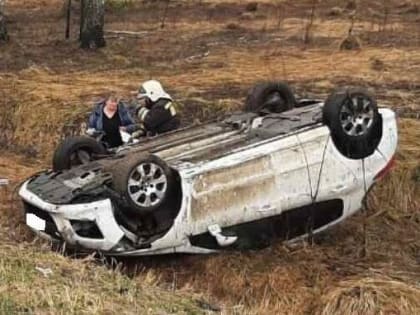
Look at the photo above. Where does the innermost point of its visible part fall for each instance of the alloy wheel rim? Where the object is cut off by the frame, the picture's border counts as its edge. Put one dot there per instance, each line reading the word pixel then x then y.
pixel 147 184
pixel 356 116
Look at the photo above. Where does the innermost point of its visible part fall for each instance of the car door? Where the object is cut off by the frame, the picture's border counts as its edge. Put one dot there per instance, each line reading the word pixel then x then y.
pixel 256 182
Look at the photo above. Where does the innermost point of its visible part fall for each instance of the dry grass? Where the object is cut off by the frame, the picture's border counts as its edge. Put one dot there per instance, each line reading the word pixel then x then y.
pixel 370 296
pixel 46 83
pixel 59 98
pixel 66 286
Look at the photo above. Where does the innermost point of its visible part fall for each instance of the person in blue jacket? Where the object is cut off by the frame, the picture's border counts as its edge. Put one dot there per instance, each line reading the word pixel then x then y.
pixel 110 116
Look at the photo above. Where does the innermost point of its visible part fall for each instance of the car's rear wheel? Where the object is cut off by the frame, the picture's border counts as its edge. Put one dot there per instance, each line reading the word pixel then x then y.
pixel 145 183
pixel 354 121
pixel 270 97
pixel 74 151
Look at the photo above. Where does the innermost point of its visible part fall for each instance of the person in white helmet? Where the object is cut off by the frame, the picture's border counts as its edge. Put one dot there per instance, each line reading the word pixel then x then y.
pixel 156 111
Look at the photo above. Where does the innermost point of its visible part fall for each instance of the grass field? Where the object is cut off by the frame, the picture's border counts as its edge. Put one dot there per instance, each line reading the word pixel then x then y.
pixel 208 54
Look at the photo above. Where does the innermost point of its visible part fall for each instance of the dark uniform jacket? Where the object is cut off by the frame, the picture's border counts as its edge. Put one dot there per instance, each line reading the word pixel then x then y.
pixel 159 117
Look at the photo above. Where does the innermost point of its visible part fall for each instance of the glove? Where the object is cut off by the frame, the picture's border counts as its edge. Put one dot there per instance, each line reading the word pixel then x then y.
pixel 138 133
pixel 91 132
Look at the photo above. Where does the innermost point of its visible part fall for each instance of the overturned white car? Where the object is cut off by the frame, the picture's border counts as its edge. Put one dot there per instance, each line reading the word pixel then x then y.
pixel 280 169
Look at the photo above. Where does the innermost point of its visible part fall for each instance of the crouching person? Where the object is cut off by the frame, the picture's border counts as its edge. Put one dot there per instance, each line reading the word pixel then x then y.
pixel 109 118
pixel 156 111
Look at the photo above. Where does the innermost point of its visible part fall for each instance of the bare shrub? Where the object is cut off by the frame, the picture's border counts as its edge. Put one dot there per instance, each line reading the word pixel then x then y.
pixel 351 42
pixel 280 13
pixel 251 7
pixel 377 64
pixel 233 27
pixel 335 11
pixel 307 38
pixel 386 15
pixel 351 5
pixel 165 11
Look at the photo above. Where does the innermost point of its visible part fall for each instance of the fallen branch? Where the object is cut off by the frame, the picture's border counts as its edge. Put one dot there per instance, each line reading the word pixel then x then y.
pixel 127 33
pixel 199 56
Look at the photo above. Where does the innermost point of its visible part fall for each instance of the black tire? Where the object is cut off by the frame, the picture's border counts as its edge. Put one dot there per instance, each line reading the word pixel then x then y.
pixel 126 169
pixel 354 122
pixel 63 158
pixel 270 97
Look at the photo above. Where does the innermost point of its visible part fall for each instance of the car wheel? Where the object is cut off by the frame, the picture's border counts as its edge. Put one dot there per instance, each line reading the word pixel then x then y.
pixel 354 122
pixel 144 182
pixel 74 151
pixel 270 97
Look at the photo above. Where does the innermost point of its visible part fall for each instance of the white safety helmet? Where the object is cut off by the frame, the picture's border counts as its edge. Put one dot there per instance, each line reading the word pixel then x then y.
pixel 153 90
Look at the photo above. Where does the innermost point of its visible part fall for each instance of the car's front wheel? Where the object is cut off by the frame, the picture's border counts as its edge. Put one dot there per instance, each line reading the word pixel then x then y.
pixel 144 181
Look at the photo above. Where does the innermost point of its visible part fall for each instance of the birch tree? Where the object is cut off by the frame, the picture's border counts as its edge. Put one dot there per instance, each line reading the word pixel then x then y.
pixel 92 22
pixel 3 30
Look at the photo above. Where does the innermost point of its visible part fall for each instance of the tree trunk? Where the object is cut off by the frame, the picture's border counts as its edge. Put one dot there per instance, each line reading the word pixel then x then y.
pixel 68 16
pixel 92 24
pixel 3 30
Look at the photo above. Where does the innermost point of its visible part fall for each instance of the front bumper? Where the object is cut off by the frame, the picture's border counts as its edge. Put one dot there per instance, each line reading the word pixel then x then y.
pixel 66 217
